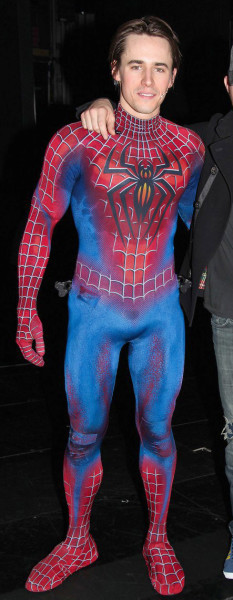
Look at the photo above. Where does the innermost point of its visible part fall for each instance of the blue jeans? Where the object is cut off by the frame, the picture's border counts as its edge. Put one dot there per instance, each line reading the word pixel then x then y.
pixel 222 329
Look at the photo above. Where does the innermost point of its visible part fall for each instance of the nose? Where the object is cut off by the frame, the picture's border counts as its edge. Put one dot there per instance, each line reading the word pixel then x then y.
pixel 147 77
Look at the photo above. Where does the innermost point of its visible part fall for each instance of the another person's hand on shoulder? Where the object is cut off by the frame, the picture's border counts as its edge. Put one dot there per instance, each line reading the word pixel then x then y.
pixel 99 117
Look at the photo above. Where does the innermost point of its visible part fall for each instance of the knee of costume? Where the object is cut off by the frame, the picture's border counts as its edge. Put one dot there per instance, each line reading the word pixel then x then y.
pixel 82 445
pixel 157 437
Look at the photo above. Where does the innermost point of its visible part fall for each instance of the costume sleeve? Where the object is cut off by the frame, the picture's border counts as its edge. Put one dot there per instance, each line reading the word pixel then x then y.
pixel 186 203
pixel 49 203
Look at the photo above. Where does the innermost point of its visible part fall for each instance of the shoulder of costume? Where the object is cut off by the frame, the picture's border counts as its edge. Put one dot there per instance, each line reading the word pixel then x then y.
pixel 187 134
pixel 70 136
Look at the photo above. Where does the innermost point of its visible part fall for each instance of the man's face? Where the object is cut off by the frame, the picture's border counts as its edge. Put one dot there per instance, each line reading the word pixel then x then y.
pixel 145 74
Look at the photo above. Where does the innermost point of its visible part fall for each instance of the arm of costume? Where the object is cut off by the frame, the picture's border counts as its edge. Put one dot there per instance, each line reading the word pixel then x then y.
pixel 86 105
pixel 49 203
pixel 186 203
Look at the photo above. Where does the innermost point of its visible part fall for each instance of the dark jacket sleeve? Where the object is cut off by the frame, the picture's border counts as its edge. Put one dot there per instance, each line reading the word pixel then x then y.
pixel 200 129
pixel 86 105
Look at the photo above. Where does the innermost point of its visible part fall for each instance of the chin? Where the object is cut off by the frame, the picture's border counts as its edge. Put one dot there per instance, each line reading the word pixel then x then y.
pixel 141 108
pixel 145 110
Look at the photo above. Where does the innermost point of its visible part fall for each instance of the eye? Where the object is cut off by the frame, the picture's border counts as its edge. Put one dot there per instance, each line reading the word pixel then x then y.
pixel 136 67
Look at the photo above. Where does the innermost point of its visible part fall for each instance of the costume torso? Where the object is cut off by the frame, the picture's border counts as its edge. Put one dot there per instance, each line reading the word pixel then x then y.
pixel 125 197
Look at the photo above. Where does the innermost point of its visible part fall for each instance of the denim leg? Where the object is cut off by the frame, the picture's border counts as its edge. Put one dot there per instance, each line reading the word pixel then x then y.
pixel 222 329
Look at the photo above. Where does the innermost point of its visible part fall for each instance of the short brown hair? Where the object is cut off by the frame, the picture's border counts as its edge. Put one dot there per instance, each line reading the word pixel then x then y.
pixel 146 25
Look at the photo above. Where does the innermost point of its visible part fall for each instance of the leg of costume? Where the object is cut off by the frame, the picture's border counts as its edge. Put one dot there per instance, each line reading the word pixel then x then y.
pixel 96 335
pixel 156 365
pixel 91 366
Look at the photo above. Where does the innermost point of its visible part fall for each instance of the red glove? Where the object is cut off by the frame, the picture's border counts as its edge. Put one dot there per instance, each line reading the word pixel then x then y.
pixel 30 329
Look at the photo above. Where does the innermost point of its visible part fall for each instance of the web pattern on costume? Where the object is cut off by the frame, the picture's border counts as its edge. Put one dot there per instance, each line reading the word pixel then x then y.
pixel 165 571
pixel 132 239
pixel 79 529
pixel 124 289
pixel 33 257
pixel 49 204
pixel 78 549
pixel 137 245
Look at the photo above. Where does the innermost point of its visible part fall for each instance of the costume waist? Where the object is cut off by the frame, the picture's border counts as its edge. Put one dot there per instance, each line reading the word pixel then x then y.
pixel 141 285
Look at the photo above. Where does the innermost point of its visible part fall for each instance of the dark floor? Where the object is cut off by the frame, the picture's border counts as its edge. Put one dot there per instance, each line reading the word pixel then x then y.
pixel 32 508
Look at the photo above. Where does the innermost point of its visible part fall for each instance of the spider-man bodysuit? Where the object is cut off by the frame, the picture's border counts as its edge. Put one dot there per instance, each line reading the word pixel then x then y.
pixel 125 195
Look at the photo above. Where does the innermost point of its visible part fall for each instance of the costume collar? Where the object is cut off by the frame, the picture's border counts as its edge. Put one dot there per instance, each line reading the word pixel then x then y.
pixel 131 125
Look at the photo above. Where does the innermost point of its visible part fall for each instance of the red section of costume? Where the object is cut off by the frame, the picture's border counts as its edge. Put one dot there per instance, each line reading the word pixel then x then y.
pixel 165 571
pixel 79 549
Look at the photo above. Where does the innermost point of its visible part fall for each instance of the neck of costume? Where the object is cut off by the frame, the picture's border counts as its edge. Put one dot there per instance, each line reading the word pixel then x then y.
pixel 125 195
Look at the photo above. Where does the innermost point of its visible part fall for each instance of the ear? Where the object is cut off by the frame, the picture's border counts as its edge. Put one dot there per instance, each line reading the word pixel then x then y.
pixel 115 71
pixel 226 83
pixel 173 76
pixel 229 88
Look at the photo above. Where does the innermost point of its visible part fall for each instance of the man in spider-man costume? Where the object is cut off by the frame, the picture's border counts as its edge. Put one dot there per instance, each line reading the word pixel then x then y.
pixel 125 195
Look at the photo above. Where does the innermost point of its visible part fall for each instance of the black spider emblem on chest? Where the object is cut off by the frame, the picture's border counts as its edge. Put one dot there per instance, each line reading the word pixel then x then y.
pixel 144 178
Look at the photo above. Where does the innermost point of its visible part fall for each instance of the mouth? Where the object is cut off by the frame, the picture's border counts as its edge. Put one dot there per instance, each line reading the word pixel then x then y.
pixel 146 95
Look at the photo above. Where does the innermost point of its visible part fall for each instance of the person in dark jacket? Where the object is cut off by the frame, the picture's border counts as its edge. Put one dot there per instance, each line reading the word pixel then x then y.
pixel 209 261
pixel 212 266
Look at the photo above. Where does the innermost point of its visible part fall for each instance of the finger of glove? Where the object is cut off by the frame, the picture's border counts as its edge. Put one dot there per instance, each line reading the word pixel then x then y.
pixel 40 347
pixel 30 354
pixel 37 334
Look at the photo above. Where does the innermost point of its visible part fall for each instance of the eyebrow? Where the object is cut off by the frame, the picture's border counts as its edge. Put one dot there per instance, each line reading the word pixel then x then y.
pixel 140 62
